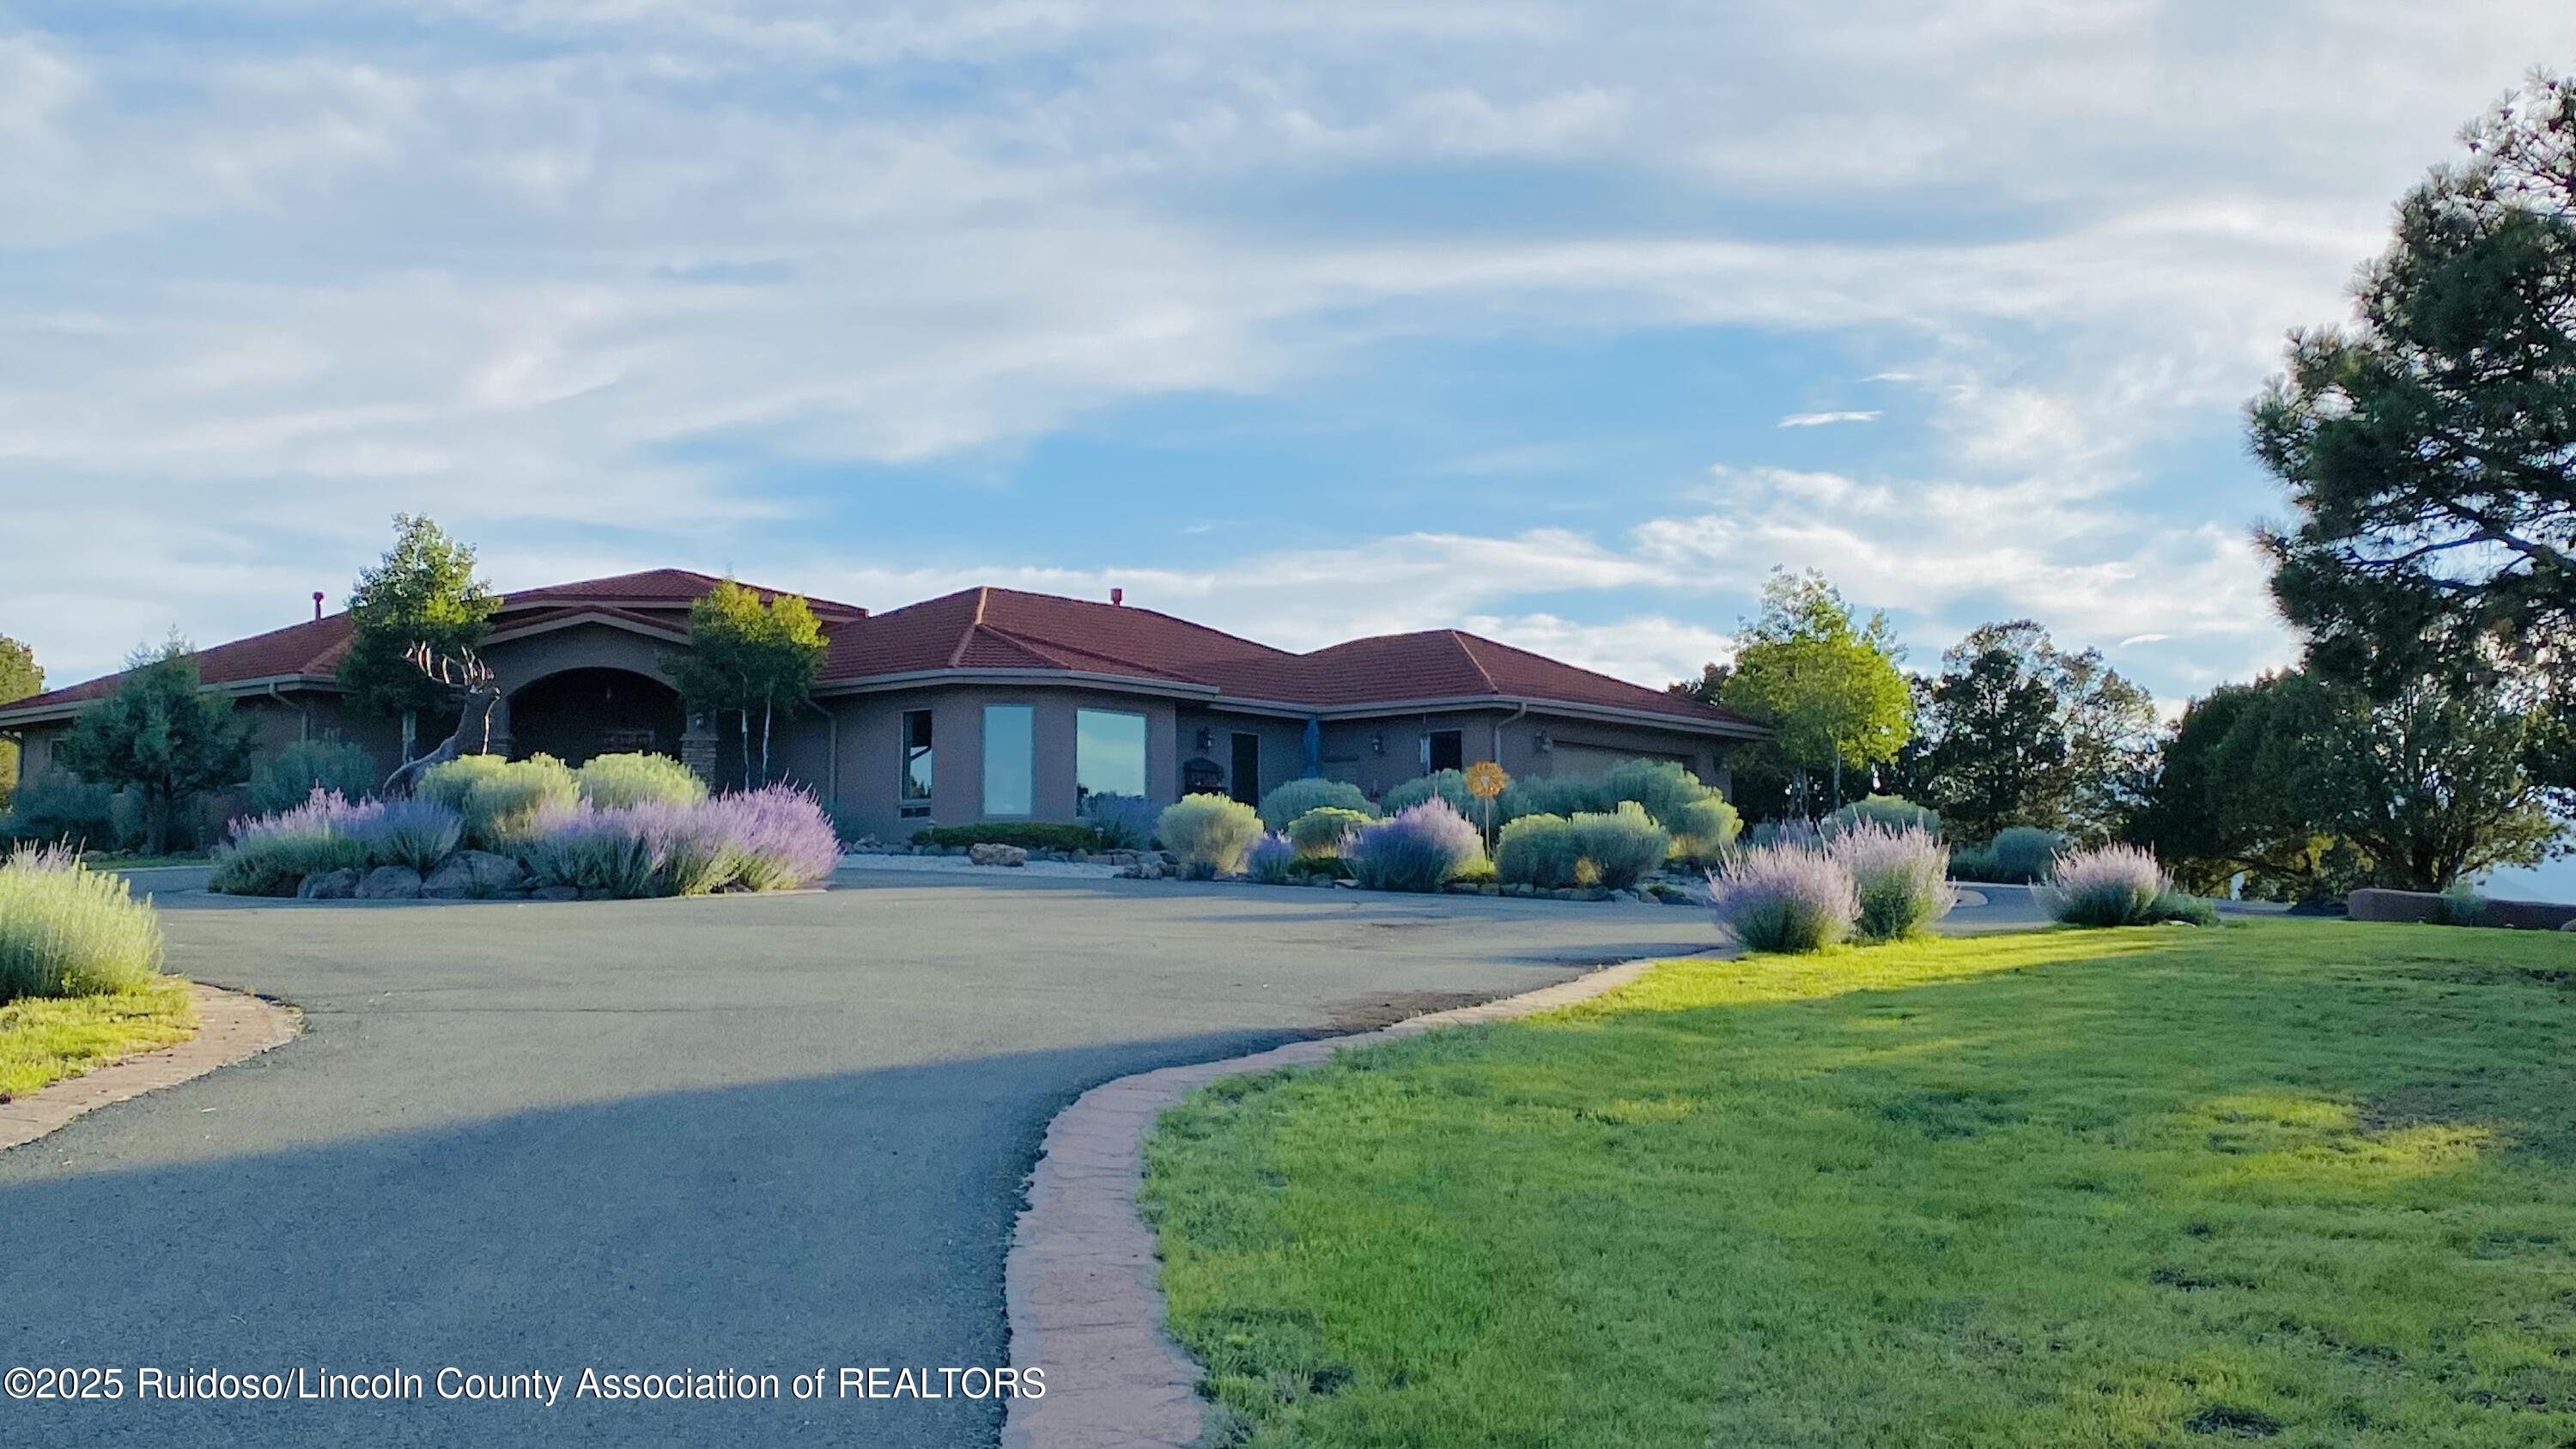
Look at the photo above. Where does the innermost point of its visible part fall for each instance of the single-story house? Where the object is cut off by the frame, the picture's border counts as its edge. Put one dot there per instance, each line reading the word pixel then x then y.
pixel 987 704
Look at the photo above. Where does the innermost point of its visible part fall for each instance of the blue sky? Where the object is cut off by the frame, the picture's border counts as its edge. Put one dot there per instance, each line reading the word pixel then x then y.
pixel 1562 322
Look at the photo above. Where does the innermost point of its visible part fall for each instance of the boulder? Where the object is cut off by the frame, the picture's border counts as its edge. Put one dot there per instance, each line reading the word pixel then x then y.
pixel 473 875
pixel 389 883
pixel 556 893
pixel 989 853
pixel 328 885
pixel 597 893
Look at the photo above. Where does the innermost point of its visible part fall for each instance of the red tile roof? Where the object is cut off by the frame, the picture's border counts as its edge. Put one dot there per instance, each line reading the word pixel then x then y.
pixel 1005 629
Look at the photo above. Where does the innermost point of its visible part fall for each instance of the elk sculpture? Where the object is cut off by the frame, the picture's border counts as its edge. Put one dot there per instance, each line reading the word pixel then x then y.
pixel 474 721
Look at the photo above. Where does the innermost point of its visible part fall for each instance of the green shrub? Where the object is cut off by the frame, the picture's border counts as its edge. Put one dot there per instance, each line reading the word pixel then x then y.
pixel 1209 834
pixel 613 782
pixel 1893 811
pixel 450 783
pixel 502 806
pixel 1549 797
pixel 1026 834
pixel 1623 846
pixel 1299 796
pixel 1325 830
pixel 2190 910
pixel 2461 905
pixel 1538 850
pixel 1446 785
pixel 1703 829
pixel 59 806
pixel 2019 854
pixel 287 778
pixel 68 931
pixel 1663 787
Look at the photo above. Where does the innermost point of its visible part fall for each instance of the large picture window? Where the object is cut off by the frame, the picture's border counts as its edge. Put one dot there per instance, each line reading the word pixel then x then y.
pixel 1108 753
pixel 1010 759
pixel 916 754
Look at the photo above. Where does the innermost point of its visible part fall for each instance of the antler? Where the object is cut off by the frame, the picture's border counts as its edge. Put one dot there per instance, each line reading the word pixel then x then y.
pixel 471 675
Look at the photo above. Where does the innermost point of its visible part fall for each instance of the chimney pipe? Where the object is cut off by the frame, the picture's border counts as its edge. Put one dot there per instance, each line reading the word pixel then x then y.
pixel 317 606
pixel 1118 596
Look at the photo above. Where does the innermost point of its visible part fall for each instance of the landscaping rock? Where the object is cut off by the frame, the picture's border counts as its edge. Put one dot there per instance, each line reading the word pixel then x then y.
pixel 328 885
pixel 993 854
pixel 556 893
pixel 389 883
pixel 473 875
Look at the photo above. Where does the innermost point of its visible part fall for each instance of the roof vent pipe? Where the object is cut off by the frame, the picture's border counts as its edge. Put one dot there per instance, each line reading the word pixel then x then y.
pixel 317 606
pixel 1118 596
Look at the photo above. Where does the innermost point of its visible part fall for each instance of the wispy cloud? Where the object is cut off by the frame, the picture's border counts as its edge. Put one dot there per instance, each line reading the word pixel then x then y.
pixel 1818 420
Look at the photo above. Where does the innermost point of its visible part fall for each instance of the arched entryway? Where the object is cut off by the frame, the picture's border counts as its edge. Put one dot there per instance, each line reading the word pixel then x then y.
pixel 579 713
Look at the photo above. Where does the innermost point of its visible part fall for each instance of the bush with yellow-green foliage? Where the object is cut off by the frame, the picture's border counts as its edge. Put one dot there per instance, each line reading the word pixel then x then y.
pixel 1209 834
pixel 1325 830
pixel 500 800
pixel 613 782
pixel 66 930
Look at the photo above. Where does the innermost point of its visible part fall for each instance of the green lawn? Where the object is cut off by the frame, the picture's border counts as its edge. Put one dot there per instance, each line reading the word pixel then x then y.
pixel 42 1039
pixel 2309 1183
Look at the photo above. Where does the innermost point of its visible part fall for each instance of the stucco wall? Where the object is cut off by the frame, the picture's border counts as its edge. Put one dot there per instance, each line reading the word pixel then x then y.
pixel 867 783
pixel 1380 752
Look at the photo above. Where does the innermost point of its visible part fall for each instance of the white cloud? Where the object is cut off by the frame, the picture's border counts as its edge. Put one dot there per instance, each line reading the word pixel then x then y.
pixel 537 266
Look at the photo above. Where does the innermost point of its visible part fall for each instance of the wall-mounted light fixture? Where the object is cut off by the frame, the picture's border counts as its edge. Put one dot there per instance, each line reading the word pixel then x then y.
pixel 1377 743
pixel 1542 742
pixel 1207 739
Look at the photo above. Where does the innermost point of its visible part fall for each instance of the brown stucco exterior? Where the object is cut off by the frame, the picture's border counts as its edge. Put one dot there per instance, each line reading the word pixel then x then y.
pixel 582 670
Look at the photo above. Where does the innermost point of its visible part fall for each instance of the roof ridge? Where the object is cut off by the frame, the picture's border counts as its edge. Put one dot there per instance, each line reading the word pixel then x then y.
pixel 1190 624
pixel 1042 644
pixel 1467 643
pixel 957 656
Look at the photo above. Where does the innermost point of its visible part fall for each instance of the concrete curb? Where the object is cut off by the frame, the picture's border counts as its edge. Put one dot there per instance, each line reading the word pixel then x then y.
pixel 1083 1279
pixel 231 1027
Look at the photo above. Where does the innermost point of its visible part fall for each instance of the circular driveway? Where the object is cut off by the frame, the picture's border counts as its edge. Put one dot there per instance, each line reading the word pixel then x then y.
pixel 740 1134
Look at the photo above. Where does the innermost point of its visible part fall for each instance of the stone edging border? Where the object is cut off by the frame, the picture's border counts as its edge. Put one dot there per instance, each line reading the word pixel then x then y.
pixel 1082 1279
pixel 231 1026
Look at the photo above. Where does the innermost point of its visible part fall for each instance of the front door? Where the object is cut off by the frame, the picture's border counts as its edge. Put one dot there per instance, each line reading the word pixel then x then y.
pixel 1448 750
pixel 1243 782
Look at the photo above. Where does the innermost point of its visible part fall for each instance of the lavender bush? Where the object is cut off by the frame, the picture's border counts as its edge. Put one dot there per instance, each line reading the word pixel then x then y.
pixel 692 853
pixel 1420 849
pixel 270 855
pixel 784 839
pixel 1783 898
pixel 1900 875
pixel 586 848
pixel 2112 885
pixel 1271 860
pixel 1123 822
pixel 414 833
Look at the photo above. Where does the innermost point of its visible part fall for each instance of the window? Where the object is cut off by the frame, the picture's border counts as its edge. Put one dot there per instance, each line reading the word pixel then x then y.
pixel 916 754
pixel 1010 759
pixel 1108 753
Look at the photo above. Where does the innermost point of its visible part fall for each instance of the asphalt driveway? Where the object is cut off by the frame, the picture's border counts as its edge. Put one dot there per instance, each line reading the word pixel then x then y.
pixel 765 1135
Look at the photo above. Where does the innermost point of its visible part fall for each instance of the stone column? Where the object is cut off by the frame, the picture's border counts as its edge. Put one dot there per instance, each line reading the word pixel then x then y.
pixel 698 748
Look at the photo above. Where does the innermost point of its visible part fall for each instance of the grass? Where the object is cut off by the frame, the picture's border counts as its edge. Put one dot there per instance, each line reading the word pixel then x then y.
pixel 2304 1183
pixel 46 1039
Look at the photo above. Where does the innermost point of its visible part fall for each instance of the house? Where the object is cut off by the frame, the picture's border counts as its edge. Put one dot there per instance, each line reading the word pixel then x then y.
pixel 988 704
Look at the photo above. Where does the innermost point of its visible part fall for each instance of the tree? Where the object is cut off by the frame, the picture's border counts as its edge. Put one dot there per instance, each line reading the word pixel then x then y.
pixel 423 590
pixel 2430 449
pixel 2219 805
pixel 2025 733
pixel 1828 687
pixel 747 657
pixel 161 735
pixel 2312 784
pixel 20 676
